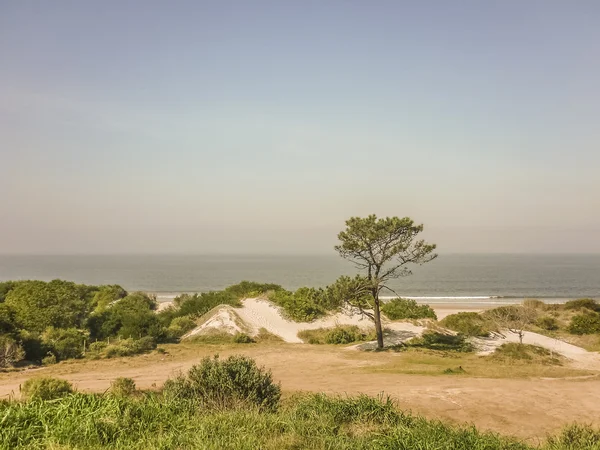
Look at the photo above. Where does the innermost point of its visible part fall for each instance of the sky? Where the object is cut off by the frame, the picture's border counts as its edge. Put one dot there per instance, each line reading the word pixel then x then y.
pixel 260 127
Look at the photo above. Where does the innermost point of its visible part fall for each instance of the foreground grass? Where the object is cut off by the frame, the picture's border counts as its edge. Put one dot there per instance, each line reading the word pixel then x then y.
pixel 150 421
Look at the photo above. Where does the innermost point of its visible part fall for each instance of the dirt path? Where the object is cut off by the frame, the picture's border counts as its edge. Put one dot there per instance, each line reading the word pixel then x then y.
pixel 529 408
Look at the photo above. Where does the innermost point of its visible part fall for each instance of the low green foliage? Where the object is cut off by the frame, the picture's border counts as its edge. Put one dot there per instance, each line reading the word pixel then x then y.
pixel 121 347
pixel 64 343
pixel 513 351
pixel 123 387
pixel 468 324
pixel 534 304
pixel 547 323
pixel 265 335
pixel 588 322
pixel 248 289
pixel 45 388
pixel 343 334
pixel 304 305
pixel 223 384
pixel 402 308
pixel 49 359
pixel 153 421
pixel 582 303
pixel 242 338
pixel 456 371
pixel 433 340
pixel 179 326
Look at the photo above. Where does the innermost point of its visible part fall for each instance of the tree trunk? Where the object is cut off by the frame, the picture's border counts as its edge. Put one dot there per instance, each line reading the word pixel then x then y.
pixel 378 328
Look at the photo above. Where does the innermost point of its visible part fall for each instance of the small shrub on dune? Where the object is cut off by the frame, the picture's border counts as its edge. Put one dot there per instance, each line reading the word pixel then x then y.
pixel 587 322
pixel 402 308
pixel 248 289
pixel 242 338
pixel 265 335
pixel 45 388
pixel 300 306
pixel 547 323
pixel 343 334
pixel 534 304
pixel 179 326
pixel 49 359
pixel 432 340
pixel 583 303
pixel 123 387
pixel 223 384
pixel 467 324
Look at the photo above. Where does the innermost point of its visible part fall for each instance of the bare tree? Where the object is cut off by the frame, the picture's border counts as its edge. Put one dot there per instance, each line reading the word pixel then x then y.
pixel 513 318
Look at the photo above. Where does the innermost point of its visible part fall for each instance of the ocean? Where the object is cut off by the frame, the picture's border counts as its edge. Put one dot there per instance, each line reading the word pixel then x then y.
pixel 456 278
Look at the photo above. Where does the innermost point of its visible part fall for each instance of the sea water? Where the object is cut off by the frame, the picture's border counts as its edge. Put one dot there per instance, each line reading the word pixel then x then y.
pixel 459 278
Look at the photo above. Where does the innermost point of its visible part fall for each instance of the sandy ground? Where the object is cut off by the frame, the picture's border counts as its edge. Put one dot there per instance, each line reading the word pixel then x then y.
pixel 528 408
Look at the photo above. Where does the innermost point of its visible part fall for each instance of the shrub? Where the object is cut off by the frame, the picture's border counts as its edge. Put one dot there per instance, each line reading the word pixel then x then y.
pixel 468 324
pixel 401 308
pixel 11 352
pixel 547 323
pixel 97 347
pixel 45 388
pixel 265 335
pixel 300 306
pixel 585 323
pixel 179 326
pixel 534 304
pixel 341 334
pixel 439 341
pixel 123 387
pixel 64 343
pixel 49 359
pixel 234 382
pixel 247 289
pixel 582 303
pixel 242 338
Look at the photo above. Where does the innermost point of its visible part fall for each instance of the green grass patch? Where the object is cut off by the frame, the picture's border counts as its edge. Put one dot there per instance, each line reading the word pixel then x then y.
pixel 468 324
pixel 513 351
pixel 343 334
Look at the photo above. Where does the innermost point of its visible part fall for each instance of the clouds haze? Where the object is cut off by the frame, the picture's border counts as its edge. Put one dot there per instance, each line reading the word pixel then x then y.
pixel 233 126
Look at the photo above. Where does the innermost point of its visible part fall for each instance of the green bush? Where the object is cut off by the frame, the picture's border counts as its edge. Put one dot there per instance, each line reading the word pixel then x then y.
pixel 242 338
pixel 64 343
pixel 11 352
pixel 585 323
pixel 440 341
pixel 468 324
pixel 123 387
pixel 234 382
pixel 248 289
pixel 534 304
pixel 179 326
pixel 547 323
pixel 45 388
pixel 304 305
pixel 49 359
pixel 402 308
pixel 582 303
pixel 97 347
pixel 342 334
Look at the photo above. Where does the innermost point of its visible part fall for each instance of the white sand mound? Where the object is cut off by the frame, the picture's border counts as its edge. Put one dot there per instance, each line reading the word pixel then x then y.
pixel 580 357
pixel 258 313
pixel 222 319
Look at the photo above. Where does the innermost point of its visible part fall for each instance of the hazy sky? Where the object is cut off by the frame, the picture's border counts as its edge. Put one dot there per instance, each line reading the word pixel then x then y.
pixel 245 126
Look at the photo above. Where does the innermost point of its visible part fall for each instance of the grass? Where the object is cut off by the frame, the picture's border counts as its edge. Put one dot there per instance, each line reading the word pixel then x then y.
pixel 316 421
pixel 418 361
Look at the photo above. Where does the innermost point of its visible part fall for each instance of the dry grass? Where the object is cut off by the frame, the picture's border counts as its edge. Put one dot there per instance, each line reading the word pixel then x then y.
pixel 427 362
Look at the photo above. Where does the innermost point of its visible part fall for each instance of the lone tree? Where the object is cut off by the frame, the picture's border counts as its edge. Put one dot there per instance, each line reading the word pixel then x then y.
pixel 384 249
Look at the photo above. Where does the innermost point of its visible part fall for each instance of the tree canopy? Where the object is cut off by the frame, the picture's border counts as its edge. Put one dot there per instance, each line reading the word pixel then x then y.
pixel 383 249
